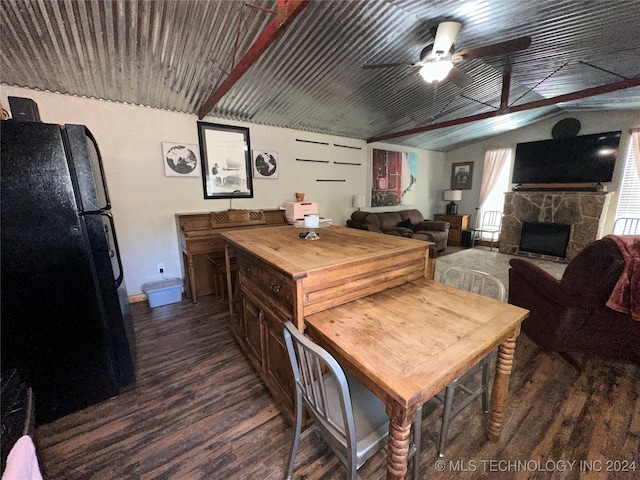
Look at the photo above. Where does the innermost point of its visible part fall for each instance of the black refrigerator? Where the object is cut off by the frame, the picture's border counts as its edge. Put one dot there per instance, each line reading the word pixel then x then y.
pixel 66 326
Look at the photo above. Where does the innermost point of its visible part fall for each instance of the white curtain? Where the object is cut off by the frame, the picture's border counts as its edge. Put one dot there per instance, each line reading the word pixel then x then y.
pixel 635 144
pixel 494 161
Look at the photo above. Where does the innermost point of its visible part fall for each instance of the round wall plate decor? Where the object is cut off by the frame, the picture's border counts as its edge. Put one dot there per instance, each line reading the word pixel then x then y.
pixel 569 127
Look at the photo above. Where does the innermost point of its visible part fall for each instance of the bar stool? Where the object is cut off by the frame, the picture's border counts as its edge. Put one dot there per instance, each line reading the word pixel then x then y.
pixel 219 269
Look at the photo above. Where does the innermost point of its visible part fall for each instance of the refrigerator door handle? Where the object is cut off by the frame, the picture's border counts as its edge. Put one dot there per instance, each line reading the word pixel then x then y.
pixel 103 179
pixel 115 247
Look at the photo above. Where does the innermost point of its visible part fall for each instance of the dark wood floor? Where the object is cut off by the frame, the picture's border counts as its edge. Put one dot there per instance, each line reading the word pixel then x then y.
pixel 200 411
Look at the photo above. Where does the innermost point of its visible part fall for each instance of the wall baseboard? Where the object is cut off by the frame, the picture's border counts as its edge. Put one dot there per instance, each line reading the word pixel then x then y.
pixel 140 297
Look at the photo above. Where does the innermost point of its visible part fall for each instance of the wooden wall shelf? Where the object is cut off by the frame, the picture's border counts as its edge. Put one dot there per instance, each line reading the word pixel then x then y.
pixel 310 160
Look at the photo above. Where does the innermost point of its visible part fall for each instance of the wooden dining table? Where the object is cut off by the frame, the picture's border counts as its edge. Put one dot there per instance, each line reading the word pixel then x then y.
pixel 409 342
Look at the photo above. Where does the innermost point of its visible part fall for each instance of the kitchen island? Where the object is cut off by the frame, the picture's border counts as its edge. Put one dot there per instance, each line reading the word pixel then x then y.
pixel 281 277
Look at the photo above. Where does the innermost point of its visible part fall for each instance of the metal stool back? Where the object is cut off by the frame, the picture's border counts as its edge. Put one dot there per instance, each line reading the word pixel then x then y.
pixel 626 226
pixel 348 416
pixel 483 284
pixel 491 225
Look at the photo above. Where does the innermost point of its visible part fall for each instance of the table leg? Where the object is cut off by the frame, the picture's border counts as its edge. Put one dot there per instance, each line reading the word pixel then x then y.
pixel 504 365
pixel 400 421
pixel 228 252
pixel 430 270
pixel 192 278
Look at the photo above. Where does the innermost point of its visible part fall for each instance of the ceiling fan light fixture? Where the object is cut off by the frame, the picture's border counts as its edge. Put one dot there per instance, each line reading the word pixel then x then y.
pixel 436 71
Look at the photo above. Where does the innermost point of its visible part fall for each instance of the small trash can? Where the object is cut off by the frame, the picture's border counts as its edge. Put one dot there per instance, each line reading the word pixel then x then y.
pixel 467 238
pixel 163 292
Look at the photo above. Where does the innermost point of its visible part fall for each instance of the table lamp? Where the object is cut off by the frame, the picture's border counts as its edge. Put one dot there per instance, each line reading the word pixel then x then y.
pixel 358 201
pixel 452 196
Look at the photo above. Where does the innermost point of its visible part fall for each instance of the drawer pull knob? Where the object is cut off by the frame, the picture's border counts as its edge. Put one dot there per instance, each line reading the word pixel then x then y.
pixel 275 287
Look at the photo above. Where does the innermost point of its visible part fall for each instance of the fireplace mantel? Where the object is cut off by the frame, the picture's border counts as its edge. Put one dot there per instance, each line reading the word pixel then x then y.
pixel 584 211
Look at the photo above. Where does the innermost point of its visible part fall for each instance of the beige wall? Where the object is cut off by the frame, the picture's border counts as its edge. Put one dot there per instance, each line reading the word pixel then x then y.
pixel 145 200
pixel 591 122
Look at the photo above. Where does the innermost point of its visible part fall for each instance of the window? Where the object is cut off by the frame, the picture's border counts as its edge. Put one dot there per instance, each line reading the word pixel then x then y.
pixel 495 179
pixel 629 197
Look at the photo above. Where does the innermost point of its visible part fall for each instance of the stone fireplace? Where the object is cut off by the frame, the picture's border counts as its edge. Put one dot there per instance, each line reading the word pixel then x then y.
pixel 583 211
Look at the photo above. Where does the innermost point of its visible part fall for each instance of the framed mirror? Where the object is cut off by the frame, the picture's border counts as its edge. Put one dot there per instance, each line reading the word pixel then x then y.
pixel 225 153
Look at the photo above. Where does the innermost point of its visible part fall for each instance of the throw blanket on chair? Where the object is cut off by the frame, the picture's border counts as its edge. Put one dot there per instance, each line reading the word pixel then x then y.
pixel 625 296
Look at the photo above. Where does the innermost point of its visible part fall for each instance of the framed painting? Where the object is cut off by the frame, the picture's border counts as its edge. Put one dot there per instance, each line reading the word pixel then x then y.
pixel 180 160
pixel 461 176
pixel 393 178
pixel 226 161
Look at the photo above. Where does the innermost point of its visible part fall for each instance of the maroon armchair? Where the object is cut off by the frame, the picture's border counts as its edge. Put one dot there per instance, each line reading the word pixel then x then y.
pixel 571 315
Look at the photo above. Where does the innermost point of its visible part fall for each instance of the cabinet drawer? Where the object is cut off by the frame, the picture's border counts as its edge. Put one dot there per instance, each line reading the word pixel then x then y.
pixel 267 280
pixel 205 245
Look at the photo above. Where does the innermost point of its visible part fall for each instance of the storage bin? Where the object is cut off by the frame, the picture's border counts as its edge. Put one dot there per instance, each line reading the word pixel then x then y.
pixel 163 292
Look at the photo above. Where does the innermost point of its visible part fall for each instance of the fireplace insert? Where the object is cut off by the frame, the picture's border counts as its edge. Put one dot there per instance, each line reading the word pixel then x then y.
pixel 545 238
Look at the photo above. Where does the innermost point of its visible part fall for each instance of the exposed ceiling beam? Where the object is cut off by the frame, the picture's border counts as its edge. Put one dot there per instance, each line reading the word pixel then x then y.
pixel 288 10
pixel 589 92
pixel 506 87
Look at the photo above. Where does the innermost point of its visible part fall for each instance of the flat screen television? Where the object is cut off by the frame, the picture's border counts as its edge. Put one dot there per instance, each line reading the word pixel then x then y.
pixel 581 159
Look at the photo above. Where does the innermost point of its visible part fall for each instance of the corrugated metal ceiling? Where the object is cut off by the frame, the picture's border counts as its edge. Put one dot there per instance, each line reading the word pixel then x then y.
pixel 173 54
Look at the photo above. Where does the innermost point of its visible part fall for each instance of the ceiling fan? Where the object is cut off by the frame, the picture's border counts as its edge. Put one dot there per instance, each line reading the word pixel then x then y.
pixel 437 59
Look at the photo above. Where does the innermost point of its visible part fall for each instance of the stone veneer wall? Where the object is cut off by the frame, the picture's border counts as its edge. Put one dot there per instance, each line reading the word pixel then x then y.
pixel 584 211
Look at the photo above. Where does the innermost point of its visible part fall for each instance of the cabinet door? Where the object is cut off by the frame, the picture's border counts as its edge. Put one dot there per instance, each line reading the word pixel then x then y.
pixel 277 367
pixel 253 328
pixel 264 342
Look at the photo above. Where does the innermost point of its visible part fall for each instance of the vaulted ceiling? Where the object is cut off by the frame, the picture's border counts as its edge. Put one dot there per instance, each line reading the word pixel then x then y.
pixel 261 64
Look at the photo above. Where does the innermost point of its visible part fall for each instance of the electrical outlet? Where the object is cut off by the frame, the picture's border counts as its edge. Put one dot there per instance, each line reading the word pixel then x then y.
pixel 161 267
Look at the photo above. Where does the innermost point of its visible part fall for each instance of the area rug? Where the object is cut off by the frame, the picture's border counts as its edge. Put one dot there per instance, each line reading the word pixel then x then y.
pixel 492 262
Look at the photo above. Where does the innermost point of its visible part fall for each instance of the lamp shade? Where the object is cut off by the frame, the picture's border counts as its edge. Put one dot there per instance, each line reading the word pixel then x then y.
pixel 358 201
pixel 453 195
pixel 436 71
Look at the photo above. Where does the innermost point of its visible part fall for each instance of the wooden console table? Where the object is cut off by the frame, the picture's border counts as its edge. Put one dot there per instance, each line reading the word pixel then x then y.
pixel 201 244
pixel 458 223
pixel 283 277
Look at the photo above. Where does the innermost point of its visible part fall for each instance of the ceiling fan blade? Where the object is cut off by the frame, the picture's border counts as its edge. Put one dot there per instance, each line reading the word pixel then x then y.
pixel 388 65
pixel 445 36
pixel 500 48
pixel 458 77
pixel 426 51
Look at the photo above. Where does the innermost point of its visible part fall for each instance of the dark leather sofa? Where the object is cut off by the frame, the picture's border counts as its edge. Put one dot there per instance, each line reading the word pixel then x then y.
pixel 571 315
pixel 404 223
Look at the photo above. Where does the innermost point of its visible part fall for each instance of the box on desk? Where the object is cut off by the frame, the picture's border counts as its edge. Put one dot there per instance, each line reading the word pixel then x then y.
pixel 297 210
